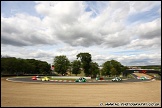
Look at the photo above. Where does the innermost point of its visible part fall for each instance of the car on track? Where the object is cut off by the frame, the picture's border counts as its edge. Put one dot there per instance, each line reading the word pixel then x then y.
pixel 116 79
pixel 45 79
pixel 142 78
pixel 36 78
pixel 81 79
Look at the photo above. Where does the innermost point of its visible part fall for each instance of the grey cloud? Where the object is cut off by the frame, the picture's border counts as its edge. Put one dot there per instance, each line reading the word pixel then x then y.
pixel 149 30
pixel 152 34
pixel 75 27
pixel 42 55
pixel 24 33
pixel 24 39
pixel 141 62
pixel 86 42
pixel 118 39
pixel 11 41
pixel 8 28
pixel 79 36
pixel 36 38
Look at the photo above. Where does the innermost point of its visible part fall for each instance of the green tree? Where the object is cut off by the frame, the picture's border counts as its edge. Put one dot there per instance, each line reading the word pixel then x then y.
pixel 113 71
pixel 12 65
pixel 61 64
pixel 117 65
pixel 94 69
pixel 106 68
pixel 108 65
pixel 38 67
pixel 86 60
pixel 44 68
pixel 7 65
pixel 76 65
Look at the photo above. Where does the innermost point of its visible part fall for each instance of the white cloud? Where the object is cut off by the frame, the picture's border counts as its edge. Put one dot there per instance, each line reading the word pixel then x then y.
pixel 149 29
pixel 147 43
pixel 141 6
pixel 24 30
pixel 141 59
pixel 70 29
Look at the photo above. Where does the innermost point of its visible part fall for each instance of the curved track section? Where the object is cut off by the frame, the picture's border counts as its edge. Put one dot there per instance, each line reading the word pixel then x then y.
pixel 29 80
pixel 142 74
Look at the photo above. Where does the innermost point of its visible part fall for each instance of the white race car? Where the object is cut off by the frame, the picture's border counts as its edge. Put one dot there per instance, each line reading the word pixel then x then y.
pixel 116 79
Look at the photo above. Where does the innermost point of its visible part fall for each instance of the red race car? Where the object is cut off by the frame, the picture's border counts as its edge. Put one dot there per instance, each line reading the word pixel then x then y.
pixel 36 78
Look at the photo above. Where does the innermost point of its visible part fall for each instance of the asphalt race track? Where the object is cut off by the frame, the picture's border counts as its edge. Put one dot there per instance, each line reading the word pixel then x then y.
pixel 29 80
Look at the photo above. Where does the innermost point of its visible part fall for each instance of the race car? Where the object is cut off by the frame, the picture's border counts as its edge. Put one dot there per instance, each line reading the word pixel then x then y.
pixel 116 79
pixel 36 78
pixel 81 80
pixel 45 79
pixel 142 78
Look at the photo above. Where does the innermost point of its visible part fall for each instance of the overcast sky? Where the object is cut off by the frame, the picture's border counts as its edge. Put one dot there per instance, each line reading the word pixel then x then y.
pixel 126 31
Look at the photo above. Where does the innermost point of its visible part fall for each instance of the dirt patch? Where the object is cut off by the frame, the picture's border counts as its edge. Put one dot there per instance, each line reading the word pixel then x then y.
pixel 24 94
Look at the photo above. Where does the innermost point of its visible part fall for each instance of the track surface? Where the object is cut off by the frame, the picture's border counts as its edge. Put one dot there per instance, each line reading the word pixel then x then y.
pixel 29 80
pixel 53 94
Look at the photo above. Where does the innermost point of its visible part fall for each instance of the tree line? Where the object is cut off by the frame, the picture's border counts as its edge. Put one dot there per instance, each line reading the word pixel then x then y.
pixel 83 62
pixel 12 65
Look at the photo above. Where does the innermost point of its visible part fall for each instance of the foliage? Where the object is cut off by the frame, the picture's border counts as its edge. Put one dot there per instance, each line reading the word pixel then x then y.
pixel 76 65
pixel 94 69
pixel 12 65
pixel 106 68
pixel 113 72
pixel 114 66
pixel 61 64
pixel 86 60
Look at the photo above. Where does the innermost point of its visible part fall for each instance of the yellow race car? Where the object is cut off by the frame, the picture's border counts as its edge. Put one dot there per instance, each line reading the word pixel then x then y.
pixel 45 79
